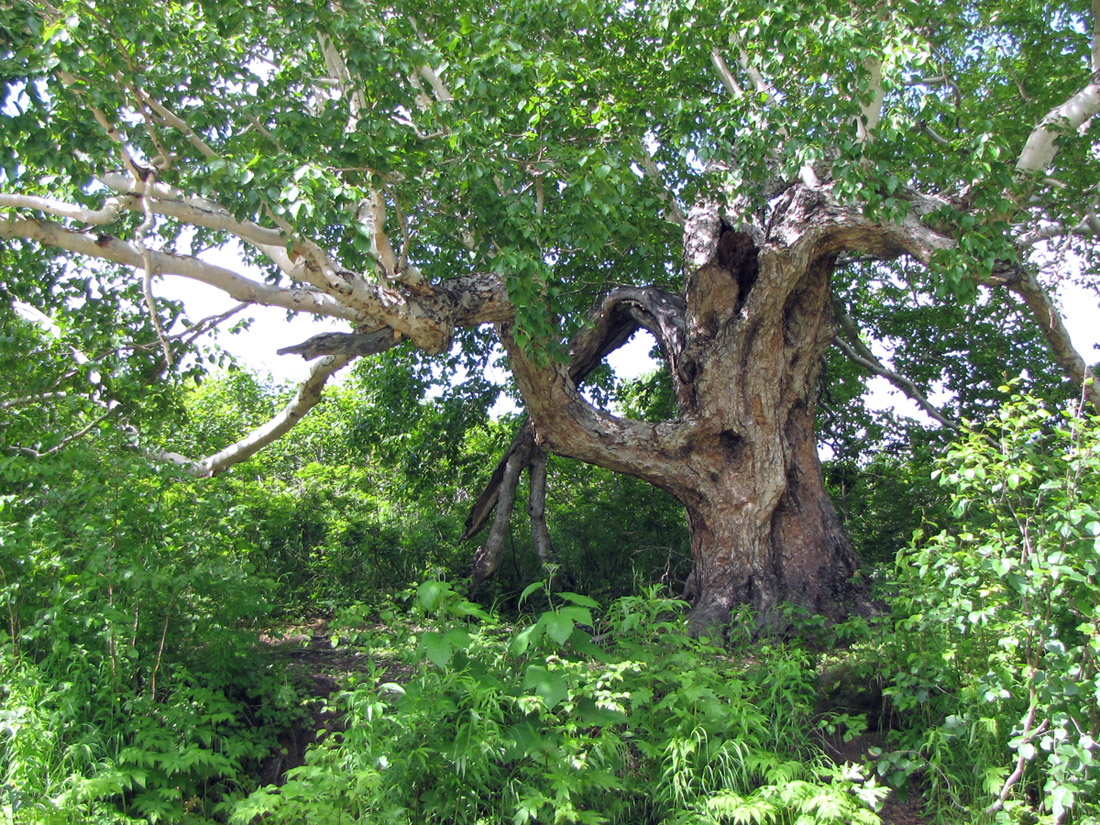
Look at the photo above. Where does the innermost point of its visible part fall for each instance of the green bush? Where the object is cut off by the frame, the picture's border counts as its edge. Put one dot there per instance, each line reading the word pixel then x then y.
pixel 130 686
pixel 545 723
pixel 998 625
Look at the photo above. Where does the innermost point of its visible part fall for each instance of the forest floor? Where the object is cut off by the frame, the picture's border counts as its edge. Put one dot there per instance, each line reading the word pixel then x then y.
pixel 318 667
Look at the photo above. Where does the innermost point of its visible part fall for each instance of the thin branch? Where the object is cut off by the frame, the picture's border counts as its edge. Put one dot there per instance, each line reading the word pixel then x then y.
pixel 147 264
pixel 101 118
pixel 31 400
pixel 175 122
pixel 67 440
pixel 673 211
pixel 1021 760
pixel 307 397
pixel 858 352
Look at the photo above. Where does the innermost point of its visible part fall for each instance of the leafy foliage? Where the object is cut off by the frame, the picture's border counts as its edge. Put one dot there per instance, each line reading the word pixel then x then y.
pixel 997 621
pixel 539 723
pixel 130 683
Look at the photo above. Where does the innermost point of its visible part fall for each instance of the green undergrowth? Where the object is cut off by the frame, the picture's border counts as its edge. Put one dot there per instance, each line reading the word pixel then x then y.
pixel 577 715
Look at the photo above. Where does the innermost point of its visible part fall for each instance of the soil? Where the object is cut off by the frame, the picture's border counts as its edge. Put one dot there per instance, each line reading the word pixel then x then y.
pixel 317 668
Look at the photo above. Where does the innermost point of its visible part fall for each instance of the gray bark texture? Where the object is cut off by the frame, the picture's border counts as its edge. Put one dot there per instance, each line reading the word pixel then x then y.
pixel 745 345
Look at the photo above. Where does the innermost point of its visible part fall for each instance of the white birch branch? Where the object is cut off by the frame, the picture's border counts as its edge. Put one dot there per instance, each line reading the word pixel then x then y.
pixel 1041 146
pixel 1095 36
pixel 1054 330
pixel 173 120
pixel 442 95
pixel 307 397
pixel 108 213
pixel 871 111
pixel 724 73
pixel 237 286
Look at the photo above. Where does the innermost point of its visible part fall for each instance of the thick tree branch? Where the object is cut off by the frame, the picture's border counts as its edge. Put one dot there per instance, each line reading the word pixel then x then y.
pixel 107 248
pixel 570 425
pixel 355 344
pixel 871 111
pixel 1041 145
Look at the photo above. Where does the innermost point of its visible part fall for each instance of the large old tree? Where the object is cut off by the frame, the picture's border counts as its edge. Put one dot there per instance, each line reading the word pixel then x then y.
pixel 740 179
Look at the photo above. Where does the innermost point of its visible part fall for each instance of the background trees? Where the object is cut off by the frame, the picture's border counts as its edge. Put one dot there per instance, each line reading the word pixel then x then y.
pixel 422 176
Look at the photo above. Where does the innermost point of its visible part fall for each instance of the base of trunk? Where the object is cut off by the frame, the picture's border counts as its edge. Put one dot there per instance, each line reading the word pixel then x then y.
pixel 771 553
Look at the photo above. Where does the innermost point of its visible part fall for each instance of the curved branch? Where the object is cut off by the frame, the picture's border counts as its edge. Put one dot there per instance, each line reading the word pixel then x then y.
pixel 570 425
pixel 1041 146
pixel 858 352
pixel 487 558
pixel 309 393
pixel 1049 319
pixel 623 312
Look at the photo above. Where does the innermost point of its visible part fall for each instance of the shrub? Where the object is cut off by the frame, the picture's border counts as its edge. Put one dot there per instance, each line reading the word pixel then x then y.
pixel 998 625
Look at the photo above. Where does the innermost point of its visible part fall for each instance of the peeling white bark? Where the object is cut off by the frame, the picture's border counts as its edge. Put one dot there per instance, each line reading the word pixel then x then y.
pixel 237 286
pixel 1041 147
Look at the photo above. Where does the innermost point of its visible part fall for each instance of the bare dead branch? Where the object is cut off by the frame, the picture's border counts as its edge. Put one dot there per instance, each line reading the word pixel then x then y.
pixel 354 344
pixel 487 558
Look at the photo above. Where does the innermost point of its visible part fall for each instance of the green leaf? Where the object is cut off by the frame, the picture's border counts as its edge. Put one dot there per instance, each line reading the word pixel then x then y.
pixel 558 626
pixel 530 589
pixel 551 686
pixel 576 598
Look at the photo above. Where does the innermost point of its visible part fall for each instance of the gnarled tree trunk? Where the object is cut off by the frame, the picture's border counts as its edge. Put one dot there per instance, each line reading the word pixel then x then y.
pixel 745 346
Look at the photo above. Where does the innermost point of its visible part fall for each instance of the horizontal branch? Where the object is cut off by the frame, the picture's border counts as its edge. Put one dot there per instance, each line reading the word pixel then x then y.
pixel 108 248
pixel 91 217
pixel 354 344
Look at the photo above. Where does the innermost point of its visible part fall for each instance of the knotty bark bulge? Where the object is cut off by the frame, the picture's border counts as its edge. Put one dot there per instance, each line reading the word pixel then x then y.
pixel 763 529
